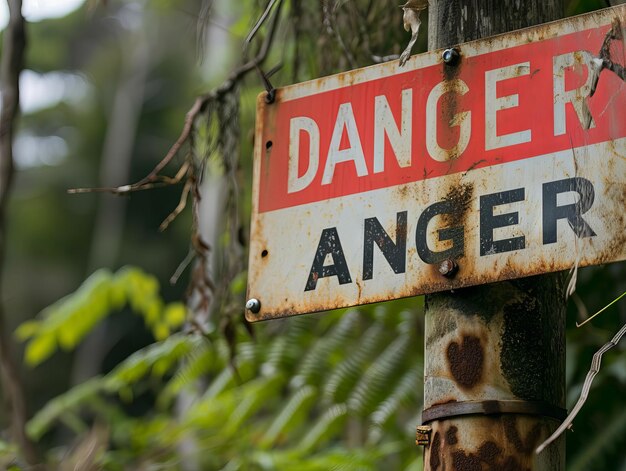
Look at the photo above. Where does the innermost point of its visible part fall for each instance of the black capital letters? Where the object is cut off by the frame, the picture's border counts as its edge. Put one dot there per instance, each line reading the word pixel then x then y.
pixel 572 212
pixel 329 244
pixel 489 222
pixel 394 253
pixel 455 234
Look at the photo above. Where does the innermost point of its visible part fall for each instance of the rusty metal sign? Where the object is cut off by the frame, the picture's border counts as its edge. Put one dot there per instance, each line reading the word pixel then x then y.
pixel 504 161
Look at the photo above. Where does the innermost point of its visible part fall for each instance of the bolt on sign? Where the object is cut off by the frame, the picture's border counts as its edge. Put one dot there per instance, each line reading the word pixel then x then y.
pixel 391 181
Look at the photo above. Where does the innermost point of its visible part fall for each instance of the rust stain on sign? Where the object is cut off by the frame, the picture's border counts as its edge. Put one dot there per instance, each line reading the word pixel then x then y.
pixel 510 163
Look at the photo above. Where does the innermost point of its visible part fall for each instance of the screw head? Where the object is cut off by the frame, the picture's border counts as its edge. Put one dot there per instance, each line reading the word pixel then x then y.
pixel 448 268
pixel 450 56
pixel 253 305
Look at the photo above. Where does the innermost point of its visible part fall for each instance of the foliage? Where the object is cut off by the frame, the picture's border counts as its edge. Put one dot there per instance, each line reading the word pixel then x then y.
pixel 69 320
pixel 293 399
pixel 338 391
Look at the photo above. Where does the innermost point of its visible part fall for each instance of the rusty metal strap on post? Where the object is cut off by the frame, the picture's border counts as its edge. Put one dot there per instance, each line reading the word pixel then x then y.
pixel 456 409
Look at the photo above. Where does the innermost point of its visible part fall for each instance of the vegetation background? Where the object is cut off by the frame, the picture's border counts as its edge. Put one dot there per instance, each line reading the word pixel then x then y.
pixel 117 373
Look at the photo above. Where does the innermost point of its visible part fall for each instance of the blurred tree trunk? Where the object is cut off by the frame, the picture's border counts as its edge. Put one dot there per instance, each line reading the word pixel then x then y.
pixel 12 62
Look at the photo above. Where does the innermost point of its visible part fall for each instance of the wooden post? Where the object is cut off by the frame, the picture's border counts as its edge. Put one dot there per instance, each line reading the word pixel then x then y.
pixel 494 373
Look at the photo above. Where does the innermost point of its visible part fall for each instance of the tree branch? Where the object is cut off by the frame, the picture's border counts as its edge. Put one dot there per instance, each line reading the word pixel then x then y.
pixel 11 64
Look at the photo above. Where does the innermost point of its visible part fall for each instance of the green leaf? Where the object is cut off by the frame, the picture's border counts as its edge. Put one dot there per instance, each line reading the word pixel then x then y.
pixel 253 395
pixel 69 320
pixel 161 331
pixel 315 363
pixel 39 349
pixel 27 330
pixel 175 314
pixel 139 364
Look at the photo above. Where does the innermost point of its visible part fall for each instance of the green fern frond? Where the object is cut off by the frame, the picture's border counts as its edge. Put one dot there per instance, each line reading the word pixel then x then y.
pixel 277 356
pixel 324 429
pixel 210 413
pixel 299 331
pixel 315 362
pixel 288 348
pixel 340 459
pixel 336 460
pixel 153 433
pixel 406 391
pixel 200 361
pixel 407 323
pixel 245 368
pixel 247 351
pixel 221 416
pixel 408 427
pixel 291 416
pixel 223 381
pixel 343 377
pixel 252 396
pixel 379 377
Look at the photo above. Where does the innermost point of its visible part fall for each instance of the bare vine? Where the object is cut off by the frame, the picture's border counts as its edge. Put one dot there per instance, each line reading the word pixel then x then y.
pixel 593 371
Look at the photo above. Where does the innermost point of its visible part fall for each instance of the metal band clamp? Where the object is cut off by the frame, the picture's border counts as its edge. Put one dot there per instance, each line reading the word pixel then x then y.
pixel 462 408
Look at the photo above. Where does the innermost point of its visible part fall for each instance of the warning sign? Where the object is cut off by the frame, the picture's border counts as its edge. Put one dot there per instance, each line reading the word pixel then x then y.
pixel 387 182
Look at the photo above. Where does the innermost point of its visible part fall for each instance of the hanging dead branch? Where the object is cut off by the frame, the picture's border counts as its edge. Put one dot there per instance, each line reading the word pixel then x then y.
pixel 218 112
